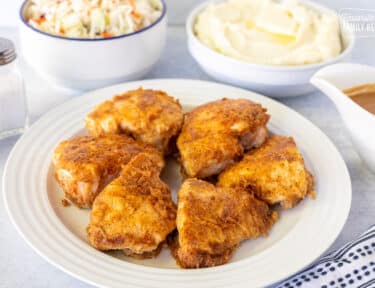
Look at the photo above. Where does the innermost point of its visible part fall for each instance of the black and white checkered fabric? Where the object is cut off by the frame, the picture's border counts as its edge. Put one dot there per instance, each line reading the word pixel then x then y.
pixel 351 266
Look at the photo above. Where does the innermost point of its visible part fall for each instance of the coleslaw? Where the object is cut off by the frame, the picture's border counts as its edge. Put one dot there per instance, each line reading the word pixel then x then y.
pixel 92 18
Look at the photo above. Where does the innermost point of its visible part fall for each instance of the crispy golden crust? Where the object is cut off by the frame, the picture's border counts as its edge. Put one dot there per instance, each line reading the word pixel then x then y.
pixel 150 116
pixel 275 172
pixel 85 164
pixel 205 156
pixel 217 133
pixel 65 203
pixel 211 222
pixel 199 259
pixel 135 212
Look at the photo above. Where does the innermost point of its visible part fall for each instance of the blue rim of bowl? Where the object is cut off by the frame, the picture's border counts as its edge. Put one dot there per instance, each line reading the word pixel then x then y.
pixel 164 12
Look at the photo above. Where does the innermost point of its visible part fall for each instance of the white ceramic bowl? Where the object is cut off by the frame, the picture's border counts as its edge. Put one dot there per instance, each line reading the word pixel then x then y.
pixel 92 63
pixel 274 81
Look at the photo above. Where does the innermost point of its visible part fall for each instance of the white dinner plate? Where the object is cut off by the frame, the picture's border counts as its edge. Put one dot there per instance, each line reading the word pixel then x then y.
pixel 57 233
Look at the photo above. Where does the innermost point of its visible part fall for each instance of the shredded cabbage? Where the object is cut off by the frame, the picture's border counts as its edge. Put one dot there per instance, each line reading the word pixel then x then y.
pixel 92 18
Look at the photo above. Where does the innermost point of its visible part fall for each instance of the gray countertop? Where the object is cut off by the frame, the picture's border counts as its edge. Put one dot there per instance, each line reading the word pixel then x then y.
pixel 20 266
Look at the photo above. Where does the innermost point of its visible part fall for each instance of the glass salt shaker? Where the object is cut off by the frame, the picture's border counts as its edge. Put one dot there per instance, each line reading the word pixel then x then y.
pixel 13 106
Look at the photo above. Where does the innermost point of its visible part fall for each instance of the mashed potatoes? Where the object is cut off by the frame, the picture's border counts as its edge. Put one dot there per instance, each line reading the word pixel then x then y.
pixel 270 32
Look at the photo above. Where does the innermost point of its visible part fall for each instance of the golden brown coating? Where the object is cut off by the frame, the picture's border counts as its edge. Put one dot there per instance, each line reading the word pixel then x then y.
pixel 135 212
pixel 85 164
pixel 211 222
pixel 150 116
pixel 275 172
pixel 216 134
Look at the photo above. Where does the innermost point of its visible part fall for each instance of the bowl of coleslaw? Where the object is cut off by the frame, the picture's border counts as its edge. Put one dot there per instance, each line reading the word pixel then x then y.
pixel 87 44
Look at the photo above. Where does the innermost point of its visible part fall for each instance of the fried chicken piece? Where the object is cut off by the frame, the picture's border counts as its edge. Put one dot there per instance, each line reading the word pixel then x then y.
pixel 216 134
pixel 85 165
pixel 211 222
pixel 150 116
pixel 275 172
pixel 135 212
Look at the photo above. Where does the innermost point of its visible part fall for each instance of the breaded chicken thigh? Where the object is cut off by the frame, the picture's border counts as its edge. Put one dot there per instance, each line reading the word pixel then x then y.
pixel 275 172
pixel 150 116
pixel 211 222
pixel 85 164
pixel 135 212
pixel 216 134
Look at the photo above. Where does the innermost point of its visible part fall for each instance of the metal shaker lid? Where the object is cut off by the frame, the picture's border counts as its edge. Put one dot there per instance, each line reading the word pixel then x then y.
pixel 7 51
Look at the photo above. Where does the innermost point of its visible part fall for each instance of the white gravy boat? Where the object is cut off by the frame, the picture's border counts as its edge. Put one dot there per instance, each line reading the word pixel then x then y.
pixel 360 123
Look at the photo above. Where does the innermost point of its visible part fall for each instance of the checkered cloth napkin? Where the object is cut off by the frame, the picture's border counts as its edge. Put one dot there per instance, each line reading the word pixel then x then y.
pixel 351 266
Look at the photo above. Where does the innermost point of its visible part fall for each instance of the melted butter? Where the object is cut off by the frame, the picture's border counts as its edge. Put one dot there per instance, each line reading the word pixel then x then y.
pixel 363 95
pixel 276 37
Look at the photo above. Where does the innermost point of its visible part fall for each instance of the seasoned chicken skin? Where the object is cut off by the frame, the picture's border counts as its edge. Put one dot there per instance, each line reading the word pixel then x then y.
pixel 85 164
pixel 216 134
pixel 135 212
pixel 275 172
pixel 211 222
pixel 150 116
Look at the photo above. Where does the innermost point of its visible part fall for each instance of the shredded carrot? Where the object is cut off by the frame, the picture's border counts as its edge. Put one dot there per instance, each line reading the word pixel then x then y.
pixel 134 7
pixel 136 14
pixel 40 20
pixel 107 35
pixel 62 31
pixel 132 3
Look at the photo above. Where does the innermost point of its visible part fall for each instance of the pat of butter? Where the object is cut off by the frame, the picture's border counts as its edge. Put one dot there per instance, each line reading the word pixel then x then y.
pixel 276 37
pixel 275 19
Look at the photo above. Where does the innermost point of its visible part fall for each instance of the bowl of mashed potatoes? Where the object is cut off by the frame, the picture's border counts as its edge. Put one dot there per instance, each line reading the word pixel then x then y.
pixel 86 44
pixel 269 46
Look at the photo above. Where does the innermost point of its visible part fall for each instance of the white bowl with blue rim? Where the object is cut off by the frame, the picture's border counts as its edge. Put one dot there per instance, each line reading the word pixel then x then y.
pixel 82 63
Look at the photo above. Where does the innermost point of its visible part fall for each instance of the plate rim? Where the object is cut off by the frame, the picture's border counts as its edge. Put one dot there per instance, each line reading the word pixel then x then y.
pixel 87 95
